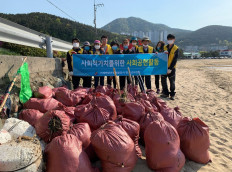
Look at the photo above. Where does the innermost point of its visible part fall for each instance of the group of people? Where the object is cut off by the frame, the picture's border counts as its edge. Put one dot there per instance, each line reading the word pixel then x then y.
pixel 127 47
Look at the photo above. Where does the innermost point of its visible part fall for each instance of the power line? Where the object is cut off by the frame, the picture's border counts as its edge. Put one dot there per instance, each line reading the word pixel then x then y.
pixel 60 10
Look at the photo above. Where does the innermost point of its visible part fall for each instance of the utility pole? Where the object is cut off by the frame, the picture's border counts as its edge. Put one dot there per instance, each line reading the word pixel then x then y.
pixel 95 14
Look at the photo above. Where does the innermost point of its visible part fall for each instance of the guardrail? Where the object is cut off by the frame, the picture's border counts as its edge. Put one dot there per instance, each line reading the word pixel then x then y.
pixel 14 33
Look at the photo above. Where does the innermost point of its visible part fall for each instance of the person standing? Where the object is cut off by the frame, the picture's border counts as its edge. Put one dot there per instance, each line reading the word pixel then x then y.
pixel 158 49
pixel 146 49
pixel 173 52
pixel 105 48
pixel 115 50
pixel 75 50
pixel 98 51
pixel 87 79
pixel 126 49
pixel 134 42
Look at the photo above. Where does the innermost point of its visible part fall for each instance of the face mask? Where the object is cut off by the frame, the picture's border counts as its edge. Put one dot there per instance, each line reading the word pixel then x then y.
pixel 170 42
pixel 158 48
pixel 125 46
pixel 134 43
pixel 75 45
pixel 145 46
pixel 87 48
pixel 114 48
pixel 97 47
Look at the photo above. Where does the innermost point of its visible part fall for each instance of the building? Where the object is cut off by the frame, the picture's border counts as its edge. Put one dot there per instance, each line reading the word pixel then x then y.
pixel 227 53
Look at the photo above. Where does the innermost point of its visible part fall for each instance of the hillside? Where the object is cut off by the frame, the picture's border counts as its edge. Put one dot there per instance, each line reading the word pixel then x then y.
pixel 205 36
pixel 59 27
pixel 131 24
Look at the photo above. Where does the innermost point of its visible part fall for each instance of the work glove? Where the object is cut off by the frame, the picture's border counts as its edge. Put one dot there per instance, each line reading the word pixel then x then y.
pixel 169 71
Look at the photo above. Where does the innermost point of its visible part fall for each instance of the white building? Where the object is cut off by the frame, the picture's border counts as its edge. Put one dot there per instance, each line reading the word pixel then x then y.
pixel 227 53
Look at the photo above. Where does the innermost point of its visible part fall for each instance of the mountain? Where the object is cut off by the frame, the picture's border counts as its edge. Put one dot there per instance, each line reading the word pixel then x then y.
pixel 131 24
pixel 58 27
pixel 209 35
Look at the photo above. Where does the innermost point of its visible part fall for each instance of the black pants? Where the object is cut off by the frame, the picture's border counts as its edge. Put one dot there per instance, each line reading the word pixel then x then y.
pixel 147 81
pixel 157 79
pixel 172 78
pixel 96 81
pixel 76 81
pixel 109 81
pixel 86 81
pixel 122 80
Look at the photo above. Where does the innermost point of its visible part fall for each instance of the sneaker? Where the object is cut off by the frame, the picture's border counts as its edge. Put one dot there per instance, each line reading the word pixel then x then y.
pixel 164 95
pixel 158 91
pixel 172 97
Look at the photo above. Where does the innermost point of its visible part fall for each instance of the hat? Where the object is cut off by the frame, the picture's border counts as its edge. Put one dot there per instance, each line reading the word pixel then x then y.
pixel 86 43
pixel 133 39
pixel 114 42
pixel 146 39
pixel 97 42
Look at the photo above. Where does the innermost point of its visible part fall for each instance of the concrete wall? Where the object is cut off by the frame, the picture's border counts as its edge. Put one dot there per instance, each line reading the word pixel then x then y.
pixel 37 66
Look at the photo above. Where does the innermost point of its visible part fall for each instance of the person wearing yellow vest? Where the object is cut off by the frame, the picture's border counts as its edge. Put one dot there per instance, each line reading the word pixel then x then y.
pixel 146 49
pixel 75 50
pixel 173 52
pixel 105 48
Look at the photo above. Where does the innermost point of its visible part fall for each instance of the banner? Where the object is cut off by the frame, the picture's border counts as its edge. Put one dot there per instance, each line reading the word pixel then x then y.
pixel 102 65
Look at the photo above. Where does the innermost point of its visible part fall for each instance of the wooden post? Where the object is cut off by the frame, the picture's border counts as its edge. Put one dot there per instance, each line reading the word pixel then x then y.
pixel 116 79
pixel 130 77
pixel 10 88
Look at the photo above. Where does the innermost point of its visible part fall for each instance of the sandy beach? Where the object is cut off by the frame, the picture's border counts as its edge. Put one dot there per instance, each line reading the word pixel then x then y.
pixel 204 90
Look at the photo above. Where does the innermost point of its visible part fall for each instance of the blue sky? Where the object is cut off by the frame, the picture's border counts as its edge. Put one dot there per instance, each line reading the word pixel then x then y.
pixel 183 14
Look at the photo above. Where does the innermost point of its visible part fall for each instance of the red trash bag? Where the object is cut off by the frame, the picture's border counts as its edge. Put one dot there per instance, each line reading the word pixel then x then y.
pixel 43 105
pixel 44 92
pixel 132 128
pixel 65 153
pixel 106 103
pixel 159 103
pixel 133 90
pixel 194 139
pixel 94 115
pixel 148 118
pixel 120 101
pixel 170 115
pixel 81 92
pixel 67 97
pixel 163 147
pixel 151 94
pixel 115 148
pixel 87 99
pixel 148 106
pixel 82 132
pixel 30 115
pixel 134 111
pixel 68 111
pixel 102 89
pixel 52 124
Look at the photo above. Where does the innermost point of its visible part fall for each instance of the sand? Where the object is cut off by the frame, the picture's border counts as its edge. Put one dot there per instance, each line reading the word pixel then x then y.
pixel 204 90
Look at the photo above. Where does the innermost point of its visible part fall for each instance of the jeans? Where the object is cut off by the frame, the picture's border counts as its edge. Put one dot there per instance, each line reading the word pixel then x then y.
pixel 96 81
pixel 172 78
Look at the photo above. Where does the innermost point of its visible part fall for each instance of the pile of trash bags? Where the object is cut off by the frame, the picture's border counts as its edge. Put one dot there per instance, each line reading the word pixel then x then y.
pixel 68 130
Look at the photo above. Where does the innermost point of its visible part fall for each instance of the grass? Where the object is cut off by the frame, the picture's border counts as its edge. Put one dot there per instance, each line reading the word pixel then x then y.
pixel 4 51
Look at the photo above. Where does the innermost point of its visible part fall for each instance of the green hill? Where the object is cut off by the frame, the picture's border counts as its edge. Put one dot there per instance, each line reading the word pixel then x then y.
pixel 131 24
pixel 58 27
pixel 207 35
